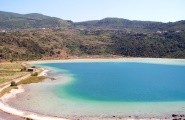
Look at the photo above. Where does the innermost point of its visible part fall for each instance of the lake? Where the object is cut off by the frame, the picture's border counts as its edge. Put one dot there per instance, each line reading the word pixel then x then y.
pixel 106 89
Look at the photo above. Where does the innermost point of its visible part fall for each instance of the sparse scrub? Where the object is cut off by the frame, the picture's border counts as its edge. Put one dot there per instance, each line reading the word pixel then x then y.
pixel 34 74
pixel 7 90
pixel 23 68
pixel 32 79
pixel 10 71
pixel 140 41
pixel 13 83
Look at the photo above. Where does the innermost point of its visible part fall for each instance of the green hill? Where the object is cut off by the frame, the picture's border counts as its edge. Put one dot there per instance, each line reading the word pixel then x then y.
pixel 24 40
pixel 12 21
pixel 64 43
pixel 130 26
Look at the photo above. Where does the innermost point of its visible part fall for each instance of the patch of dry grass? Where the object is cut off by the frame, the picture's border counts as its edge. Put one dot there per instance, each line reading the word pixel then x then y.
pixel 1 80
pixel 9 71
pixel 13 66
pixel 32 79
pixel 7 90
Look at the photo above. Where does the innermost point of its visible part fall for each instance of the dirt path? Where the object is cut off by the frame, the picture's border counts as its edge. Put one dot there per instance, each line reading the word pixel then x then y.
pixel 7 84
pixel 7 116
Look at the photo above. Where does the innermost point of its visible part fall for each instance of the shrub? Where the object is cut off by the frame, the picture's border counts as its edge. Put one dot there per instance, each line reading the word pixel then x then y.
pixel 29 119
pixel 34 74
pixel 23 68
pixel 13 83
pixel 11 60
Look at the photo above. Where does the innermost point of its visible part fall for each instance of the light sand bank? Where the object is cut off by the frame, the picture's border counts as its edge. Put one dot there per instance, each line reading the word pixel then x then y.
pixel 135 60
pixel 25 114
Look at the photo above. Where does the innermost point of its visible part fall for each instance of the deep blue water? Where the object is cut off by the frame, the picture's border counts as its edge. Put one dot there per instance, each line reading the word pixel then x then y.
pixel 123 82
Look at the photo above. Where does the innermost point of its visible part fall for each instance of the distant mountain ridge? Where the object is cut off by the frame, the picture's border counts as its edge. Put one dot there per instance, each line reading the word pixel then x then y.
pixel 128 25
pixel 11 21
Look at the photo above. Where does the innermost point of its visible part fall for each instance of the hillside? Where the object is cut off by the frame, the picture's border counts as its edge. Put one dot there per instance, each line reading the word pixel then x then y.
pixel 12 21
pixel 15 21
pixel 25 40
pixel 64 43
pixel 49 43
pixel 131 26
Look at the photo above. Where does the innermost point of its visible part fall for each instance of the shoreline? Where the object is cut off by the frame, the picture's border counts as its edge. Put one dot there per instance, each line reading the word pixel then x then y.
pixel 25 114
pixel 165 61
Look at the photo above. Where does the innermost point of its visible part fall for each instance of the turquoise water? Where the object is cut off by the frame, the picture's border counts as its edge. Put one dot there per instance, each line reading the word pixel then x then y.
pixel 104 89
pixel 121 82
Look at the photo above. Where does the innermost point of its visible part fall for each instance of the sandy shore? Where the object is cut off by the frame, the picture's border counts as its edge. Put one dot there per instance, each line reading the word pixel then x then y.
pixel 137 60
pixel 5 107
pixel 7 116
pixel 24 114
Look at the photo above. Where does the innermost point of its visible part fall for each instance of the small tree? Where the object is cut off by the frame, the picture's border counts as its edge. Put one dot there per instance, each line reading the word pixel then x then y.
pixel 13 83
pixel 33 67
pixel 23 68
pixel 11 60
pixel 34 74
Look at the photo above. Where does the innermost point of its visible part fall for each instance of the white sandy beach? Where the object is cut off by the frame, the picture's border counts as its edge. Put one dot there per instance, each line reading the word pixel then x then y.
pixel 5 107
pixel 137 60
pixel 25 114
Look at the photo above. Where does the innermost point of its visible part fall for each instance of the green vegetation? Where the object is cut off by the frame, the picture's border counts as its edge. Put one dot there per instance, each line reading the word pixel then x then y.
pixel 130 26
pixel 15 66
pixel 32 79
pixel 12 21
pixel 9 71
pixel 169 45
pixel 34 74
pixel 106 37
pixel 1 81
pixel 64 43
pixel 23 68
pixel 7 90
pixel 28 119
pixel 13 83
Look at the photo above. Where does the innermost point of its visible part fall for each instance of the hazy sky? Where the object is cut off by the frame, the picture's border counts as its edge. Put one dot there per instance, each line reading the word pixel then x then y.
pixel 82 10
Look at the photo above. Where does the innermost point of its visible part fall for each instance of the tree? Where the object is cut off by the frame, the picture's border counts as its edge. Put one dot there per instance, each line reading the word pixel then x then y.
pixel 13 83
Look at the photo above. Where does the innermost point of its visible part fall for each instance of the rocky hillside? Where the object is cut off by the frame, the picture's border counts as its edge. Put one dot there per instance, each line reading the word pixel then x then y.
pixel 14 21
pixel 64 43
pixel 36 36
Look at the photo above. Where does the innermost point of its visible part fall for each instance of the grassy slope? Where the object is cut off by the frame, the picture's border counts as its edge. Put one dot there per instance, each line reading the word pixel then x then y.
pixel 13 21
pixel 9 71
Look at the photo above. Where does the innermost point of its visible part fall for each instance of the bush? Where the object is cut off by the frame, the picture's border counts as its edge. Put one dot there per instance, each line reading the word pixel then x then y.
pixel 34 74
pixel 11 60
pixel 13 83
pixel 23 68
pixel 29 119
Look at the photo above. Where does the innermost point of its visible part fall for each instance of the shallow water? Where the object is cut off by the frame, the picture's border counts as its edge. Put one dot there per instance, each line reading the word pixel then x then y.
pixel 127 82
pixel 107 89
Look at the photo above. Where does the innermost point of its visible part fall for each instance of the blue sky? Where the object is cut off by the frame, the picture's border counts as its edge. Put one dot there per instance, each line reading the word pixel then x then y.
pixel 82 10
